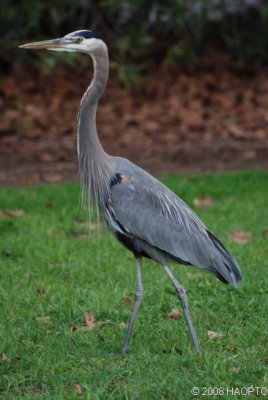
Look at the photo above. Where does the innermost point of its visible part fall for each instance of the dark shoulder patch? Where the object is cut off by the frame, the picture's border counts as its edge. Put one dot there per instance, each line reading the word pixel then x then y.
pixel 87 34
pixel 116 179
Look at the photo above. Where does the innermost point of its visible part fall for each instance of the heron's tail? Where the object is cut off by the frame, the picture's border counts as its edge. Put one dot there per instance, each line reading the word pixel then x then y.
pixel 224 265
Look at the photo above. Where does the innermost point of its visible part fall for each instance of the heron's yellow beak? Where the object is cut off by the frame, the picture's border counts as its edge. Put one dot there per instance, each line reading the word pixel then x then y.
pixel 47 44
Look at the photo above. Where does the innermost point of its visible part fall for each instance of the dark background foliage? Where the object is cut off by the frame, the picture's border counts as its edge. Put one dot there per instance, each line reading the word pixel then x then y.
pixel 141 30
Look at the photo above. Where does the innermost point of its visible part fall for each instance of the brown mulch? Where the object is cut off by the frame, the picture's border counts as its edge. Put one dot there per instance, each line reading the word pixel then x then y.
pixel 214 118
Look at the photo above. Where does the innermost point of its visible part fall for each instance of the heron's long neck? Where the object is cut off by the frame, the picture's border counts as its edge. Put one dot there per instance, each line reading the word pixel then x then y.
pixel 94 164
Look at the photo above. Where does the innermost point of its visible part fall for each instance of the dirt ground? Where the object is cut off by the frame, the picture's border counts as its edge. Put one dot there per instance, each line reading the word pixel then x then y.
pixel 211 118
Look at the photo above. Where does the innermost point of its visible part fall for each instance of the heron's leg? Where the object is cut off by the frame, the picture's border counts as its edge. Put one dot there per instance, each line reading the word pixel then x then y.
pixel 137 300
pixel 183 299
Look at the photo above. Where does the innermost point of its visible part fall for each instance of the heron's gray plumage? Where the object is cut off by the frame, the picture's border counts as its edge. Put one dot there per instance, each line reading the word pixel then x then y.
pixel 144 215
pixel 164 227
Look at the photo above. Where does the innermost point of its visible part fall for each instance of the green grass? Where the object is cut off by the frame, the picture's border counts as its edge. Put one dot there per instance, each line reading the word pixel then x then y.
pixel 51 272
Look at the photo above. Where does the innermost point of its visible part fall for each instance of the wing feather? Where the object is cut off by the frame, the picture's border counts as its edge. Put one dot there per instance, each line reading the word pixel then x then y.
pixel 152 213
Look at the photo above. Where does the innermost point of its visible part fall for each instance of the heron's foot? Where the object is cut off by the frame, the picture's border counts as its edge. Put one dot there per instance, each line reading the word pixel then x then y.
pixel 120 352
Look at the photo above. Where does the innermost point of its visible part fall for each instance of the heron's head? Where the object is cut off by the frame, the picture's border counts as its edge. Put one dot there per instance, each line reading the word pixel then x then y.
pixel 79 41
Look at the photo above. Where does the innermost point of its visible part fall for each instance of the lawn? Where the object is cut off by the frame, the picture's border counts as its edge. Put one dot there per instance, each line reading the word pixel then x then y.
pixel 54 270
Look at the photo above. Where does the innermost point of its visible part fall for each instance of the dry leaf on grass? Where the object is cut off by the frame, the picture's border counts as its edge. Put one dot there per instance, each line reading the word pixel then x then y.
pixel 174 314
pixel 4 357
pixel 78 389
pixel 240 236
pixel 203 202
pixel 80 221
pixel 214 335
pixel 75 326
pixel 90 323
pixel 43 319
pixel 235 370
pixel 12 213
pixel 122 325
pixel 89 318
pixel 40 391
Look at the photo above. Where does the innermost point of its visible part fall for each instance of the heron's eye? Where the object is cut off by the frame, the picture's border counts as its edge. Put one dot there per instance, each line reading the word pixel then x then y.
pixel 79 39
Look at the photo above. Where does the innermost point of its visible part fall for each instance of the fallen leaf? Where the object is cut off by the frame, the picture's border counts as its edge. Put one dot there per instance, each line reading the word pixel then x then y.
pixel 214 335
pixel 240 236
pixel 174 314
pixel 90 323
pixel 122 325
pixel 235 370
pixel 79 220
pixel 78 389
pixel 12 213
pixel 4 357
pixel 203 202
pixel 43 319
pixel 89 318
pixel 38 391
pixel 75 326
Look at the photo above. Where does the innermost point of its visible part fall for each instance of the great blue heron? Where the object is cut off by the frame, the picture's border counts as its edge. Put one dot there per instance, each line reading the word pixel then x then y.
pixel 143 214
